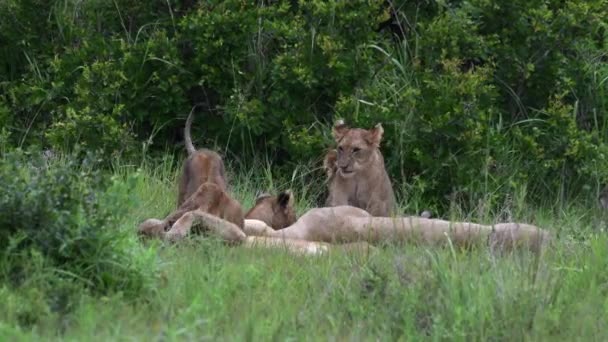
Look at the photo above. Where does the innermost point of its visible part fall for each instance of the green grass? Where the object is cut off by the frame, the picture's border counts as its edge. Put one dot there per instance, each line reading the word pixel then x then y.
pixel 210 291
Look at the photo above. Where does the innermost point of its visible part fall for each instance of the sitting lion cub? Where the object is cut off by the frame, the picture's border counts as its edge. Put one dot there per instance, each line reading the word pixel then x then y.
pixel 356 172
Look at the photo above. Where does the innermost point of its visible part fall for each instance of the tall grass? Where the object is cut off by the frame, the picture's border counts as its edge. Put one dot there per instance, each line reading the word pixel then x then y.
pixel 207 290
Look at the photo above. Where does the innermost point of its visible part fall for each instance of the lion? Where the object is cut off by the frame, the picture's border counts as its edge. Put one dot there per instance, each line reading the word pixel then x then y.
pixel 329 165
pixel 209 198
pixel 320 229
pixel 275 211
pixel 232 235
pixel 347 224
pixel 356 171
pixel 201 166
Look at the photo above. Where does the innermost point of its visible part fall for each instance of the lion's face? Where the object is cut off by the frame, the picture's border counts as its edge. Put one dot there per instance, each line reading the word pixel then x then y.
pixel 356 148
pixel 276 211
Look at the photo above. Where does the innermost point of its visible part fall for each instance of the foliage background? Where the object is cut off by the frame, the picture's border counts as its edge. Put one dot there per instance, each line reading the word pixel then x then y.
pixel 493 110
pixel 482 101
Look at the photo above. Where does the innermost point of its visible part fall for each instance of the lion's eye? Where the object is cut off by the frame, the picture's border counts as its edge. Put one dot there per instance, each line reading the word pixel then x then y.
pixel 356 149
pixel 340 149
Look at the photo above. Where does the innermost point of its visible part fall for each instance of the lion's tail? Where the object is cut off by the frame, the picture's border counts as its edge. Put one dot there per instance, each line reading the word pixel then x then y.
pixel 187 137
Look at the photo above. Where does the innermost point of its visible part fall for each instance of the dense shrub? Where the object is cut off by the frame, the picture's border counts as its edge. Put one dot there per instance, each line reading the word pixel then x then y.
pixel 489 99
pixel 251 68
pixel 478 97
pixel 69 215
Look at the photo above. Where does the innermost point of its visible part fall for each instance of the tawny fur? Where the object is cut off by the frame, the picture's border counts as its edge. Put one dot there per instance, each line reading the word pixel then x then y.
pixel 201 166
pixel 329 163
pixel 347 224
pixel 276 211
pixel 356 171
pixel 321 229
pixel 227 231
pixel 233 235
pixel 304 247
pixel 208 198
pixel 331 168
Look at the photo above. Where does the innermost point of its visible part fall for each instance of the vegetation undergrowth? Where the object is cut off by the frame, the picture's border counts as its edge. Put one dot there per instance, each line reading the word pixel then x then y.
pixel 203 289
pixel 492 111
pixel 464 89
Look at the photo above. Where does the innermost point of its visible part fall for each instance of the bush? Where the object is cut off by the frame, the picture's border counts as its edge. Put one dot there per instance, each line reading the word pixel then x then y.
pixel 484 100
pixel 70 215
pixel 479 98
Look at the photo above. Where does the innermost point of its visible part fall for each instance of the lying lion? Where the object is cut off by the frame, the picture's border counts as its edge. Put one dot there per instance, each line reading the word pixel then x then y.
pixel 321 229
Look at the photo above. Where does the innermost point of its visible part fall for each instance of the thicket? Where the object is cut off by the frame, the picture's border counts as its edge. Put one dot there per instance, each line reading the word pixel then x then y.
pixel 481 100
pixel 61 234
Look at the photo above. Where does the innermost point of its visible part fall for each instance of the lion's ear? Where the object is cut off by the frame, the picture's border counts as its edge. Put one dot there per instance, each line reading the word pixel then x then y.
pixel 339 129
pixel 286 199
pixel 374 136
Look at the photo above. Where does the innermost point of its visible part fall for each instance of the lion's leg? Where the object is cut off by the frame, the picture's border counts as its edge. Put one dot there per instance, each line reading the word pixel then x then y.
pixel 257 228
pixel 152 228
pixel 226 230
pixel 217 226
pixel 181 228
pixel 304 247
pixel 176 215
pixel 290 245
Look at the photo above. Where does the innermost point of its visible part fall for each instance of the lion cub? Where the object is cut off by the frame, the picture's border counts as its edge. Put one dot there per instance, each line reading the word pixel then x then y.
pixel 329 164
pixel 202 186
pixel 201 166
pixel 210 198
pixel 356 171
pixel 276 211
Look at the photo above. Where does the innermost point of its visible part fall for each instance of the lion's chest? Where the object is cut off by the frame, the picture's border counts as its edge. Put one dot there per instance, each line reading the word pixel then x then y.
pixel 359 193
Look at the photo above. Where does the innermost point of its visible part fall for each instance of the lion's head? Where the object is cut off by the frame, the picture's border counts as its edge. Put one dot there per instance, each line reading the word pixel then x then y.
pixel 276 211
pixel 357 147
